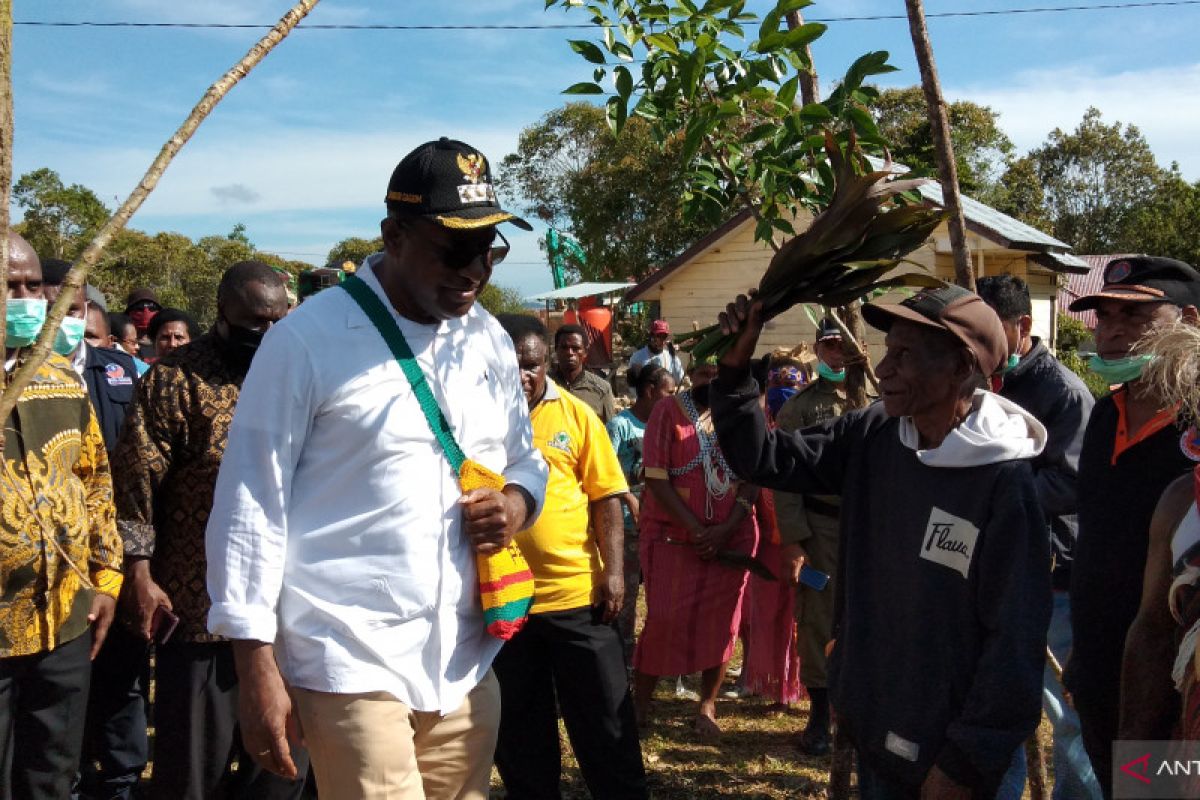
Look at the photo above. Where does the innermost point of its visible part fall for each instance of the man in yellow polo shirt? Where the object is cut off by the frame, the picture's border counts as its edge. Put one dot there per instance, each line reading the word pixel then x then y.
pixel 569 649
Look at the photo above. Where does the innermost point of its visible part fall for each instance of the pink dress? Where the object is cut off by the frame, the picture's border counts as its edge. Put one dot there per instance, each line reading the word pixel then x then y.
pixel 693 607
pixel 771 665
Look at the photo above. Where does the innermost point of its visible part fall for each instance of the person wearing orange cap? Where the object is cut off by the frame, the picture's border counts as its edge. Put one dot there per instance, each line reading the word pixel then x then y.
pixel 943 590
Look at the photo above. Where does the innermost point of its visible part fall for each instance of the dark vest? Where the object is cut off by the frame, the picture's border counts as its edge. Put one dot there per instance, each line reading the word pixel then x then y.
pixel 111 378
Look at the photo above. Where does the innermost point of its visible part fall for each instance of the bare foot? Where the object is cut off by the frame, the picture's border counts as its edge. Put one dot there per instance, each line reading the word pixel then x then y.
pixel 706 727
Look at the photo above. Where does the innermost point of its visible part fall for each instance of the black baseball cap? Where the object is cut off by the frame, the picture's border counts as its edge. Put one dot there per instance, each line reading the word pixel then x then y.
pixel 828 329
pixel 1145 279
pixel 951 308
pixel 450 183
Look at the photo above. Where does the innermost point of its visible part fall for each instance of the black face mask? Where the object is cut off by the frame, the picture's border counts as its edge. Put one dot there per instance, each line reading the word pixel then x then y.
pixel 240 346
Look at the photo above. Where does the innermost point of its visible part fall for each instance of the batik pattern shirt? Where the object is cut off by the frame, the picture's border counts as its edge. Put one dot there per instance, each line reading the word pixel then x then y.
pixel 169 454
pixel 58 540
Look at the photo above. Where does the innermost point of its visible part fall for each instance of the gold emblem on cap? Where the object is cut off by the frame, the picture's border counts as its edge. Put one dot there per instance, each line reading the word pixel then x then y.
pixel 472 166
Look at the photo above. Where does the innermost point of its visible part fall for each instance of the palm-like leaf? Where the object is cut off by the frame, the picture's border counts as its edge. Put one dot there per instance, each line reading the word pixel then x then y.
pixel 847 250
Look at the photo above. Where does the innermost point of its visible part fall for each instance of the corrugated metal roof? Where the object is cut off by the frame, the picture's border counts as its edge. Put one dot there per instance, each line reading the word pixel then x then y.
pixel 1082 285
pixel 1019 236
pixel 580 290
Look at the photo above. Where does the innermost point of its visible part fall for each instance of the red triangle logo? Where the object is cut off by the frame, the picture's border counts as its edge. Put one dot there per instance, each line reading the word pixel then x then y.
pixel 1140 775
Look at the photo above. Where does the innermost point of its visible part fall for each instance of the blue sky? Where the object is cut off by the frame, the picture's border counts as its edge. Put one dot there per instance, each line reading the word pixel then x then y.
pixel 301 151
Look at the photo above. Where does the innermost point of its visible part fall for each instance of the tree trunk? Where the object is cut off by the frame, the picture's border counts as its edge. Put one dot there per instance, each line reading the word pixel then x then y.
pixel 858 357
pixel 6 141
pixel 943 149
pixel 78 275
pixel 810 90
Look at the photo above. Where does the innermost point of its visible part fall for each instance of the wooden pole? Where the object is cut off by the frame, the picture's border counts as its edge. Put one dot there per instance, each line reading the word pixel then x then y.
pixel 6 162
pixel 810 90
pixel 942 147
pixel 849 318
pixel 78 275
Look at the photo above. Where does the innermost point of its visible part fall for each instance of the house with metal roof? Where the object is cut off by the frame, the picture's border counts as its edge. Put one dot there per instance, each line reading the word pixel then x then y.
pixel 695 286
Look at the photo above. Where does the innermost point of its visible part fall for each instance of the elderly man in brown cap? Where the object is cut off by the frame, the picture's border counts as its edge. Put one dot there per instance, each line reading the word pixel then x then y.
pixel 943 589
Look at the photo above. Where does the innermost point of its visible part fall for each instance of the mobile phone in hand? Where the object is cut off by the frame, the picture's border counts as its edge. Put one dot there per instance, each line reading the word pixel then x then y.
pixel 162 625
pixel 813 578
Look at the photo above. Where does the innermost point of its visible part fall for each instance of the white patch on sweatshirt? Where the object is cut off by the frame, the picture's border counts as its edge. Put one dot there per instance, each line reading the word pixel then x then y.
pixel 898 745
pixel 949 541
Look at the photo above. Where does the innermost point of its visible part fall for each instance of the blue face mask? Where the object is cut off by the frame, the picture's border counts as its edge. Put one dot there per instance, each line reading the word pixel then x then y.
pixel 69 335
pixel 24 319
pixel 1011 364
pixel 1121 370
pixel 777 396
pixel 830 374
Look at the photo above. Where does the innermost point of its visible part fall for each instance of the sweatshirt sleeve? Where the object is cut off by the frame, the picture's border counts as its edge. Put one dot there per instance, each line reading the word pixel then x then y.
pixel 810 461
pixel 1003 704
pixel 1056 470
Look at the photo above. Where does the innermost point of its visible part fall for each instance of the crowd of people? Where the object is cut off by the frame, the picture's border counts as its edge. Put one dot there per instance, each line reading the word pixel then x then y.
pixel 375 544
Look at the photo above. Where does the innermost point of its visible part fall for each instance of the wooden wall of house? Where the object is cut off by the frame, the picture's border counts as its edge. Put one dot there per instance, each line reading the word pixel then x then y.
pixel 695 293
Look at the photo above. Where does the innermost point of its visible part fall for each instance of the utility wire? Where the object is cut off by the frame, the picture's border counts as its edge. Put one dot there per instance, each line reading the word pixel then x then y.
pixel 375 27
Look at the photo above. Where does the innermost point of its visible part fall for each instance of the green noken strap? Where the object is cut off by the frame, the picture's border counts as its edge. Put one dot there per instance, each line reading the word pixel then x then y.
pixel 379 314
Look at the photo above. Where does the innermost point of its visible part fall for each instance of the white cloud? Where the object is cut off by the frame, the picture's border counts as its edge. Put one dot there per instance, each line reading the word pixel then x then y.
pixel 1164 103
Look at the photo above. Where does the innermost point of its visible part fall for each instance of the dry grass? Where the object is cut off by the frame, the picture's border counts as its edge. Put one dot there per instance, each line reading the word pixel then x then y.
pixel 755 759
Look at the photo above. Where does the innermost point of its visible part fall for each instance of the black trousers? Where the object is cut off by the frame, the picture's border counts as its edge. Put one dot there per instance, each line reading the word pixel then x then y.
pixel 43 702
pixel 578 658
pixel 196 735
pixel 1098 722
pixel 115 745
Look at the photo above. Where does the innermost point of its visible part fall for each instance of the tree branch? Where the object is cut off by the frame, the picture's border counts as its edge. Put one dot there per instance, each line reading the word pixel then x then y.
pixel 6 161
pixel 943 149
pixel 78 275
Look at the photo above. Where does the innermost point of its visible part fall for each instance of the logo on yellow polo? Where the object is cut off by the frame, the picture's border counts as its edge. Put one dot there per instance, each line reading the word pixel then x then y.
pixel 560 441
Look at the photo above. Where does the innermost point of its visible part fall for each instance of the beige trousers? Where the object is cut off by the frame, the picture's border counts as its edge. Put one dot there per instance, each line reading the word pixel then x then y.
pixel 373 747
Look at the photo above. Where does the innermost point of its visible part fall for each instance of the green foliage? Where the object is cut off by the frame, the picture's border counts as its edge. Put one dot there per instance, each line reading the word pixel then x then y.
pixel 1019 194
pixel 981 148
pixel 618 197
pixel 731 99
pixel 1093 179
pixel 1167 222
pixel 502 300
pixel 1070 334
pixel 59 220
pixel 354 250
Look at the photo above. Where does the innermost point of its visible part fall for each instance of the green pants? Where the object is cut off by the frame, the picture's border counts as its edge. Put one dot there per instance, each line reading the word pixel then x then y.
pixel 814 610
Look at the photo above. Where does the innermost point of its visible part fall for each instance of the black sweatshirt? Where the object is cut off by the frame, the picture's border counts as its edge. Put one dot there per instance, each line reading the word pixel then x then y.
pixel 1061 402
pixel 943 586
pixel 1116 504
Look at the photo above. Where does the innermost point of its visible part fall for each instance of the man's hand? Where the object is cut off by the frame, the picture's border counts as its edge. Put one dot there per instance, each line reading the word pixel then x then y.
pixel 711 538
pixel 265 711
pixel 631 502
pixel 940 786
pixel 104 608
pixel 743 318
pixel 141 597
pixel 792 558
pixel 491 519
pixel 612 594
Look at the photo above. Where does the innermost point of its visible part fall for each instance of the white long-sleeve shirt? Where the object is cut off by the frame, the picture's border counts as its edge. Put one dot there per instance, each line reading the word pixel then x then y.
pixel 335 531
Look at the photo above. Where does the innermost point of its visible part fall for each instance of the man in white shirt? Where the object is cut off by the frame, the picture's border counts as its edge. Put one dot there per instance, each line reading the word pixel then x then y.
pixel 341 548
pixel 659 351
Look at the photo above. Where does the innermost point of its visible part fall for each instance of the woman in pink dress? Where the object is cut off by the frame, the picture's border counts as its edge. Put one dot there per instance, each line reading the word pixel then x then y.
pixel 693 507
